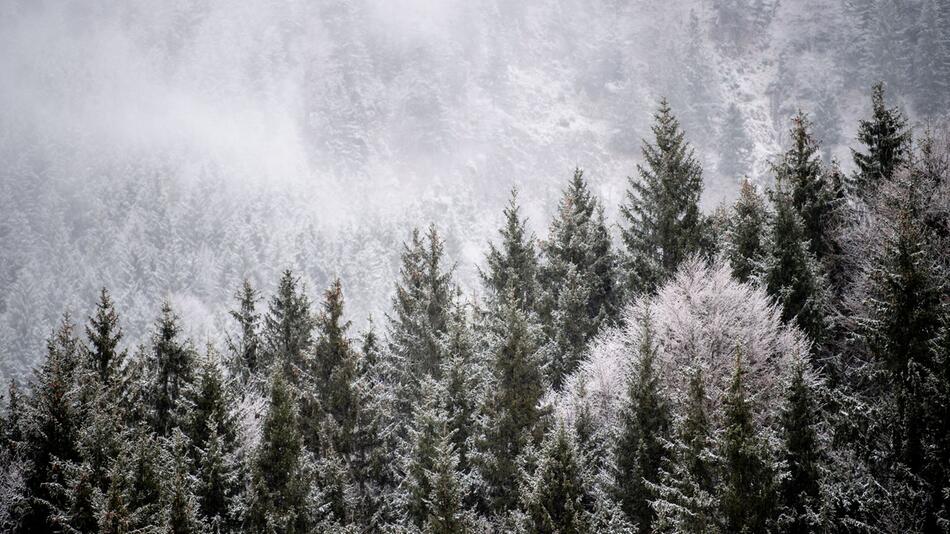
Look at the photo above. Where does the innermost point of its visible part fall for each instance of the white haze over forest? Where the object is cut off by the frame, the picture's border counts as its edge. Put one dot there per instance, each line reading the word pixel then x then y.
pixel 172 148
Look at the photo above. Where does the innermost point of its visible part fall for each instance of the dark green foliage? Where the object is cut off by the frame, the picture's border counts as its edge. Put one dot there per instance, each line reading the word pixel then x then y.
pixel 180 503
pixel 280 477
pixel 887 144
pixel 446 501
pixel 171 370
pixel 512 266
pixel 800 489
pixel 133 501
pixel 555 502
pixel 288 329
pixel 429 426
pixel 747 491
pixel 245 346
pixel 104 335
pixel 663 224
pixel 745 233
pixel 644 434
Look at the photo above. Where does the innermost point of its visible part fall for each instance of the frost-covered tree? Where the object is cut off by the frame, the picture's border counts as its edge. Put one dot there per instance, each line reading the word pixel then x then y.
pixel 800 487
pixel 735 147
pixel 512 265
pixel 662 222
pixel 245 344
pixel 180 514
pixel 447 495
pixel 170 371
pixel 104 334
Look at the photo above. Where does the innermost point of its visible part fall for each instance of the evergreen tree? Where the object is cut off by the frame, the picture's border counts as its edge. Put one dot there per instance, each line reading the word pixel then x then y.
pixel 747 500
pixel 686 502
pixel 887 144
pixel 49 431
pixel 512 266
pixel 104 335
pixel 280 480
pixel 645 428
pixel 446 501
pixel 180 513
pixel 800 488
pixel 219 483
pixel 735 152
pixel 171 370
pixel 931 60
pixel 514 410
pixel 790 271
pixel 462 381
pixel 555 501
pixel 663 222
pixel 429 425
pixel 745 233
pixel 245 347
pixel 571 328
pixel 133 502
pixel 579 239
pixel 288 328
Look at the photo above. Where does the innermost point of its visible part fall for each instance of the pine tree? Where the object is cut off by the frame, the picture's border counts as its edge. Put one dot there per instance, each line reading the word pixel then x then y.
pixel 735 146
pixel 514 410
pixel 645 427
pixel 288 328
pixel 747 499
pixel 686 502
pixel 280 480
pixel 446 500
pixel 887 144
pixel 745 233
pixel 171 370
pixel 219 483
pixel 512 266
pixel 663 222
pixel 571 328
pixel 790 271
pixel 462 381
pixel 800 488
pixel 246 346
pixel 579 239
pixel 556 499
pixel 812 196
pixel 104 335
pixel 180 505
pixel 50 430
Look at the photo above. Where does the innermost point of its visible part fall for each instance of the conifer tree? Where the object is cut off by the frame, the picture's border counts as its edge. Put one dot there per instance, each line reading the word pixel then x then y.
pixel 133 501
pixel 687 492
pixel 429 425
pixel 579 239
pixel 50 430
pixel 245 347
pixel 171 370
pixel 571 328
pixel 280 474
pixel 790 271
pixel 645 430
pixel 735 147
pixel 288 328
pixel 462 381
pixel 104 335
pixel 556 499
pixel 12 420
pixel 747 500
pixel 887 144
pixel 446 501
pixel 180 505
pixel 512 266
pixel 800 489
pixel 219 483
pixel 514 409
pixel 745 233
pixel 661 211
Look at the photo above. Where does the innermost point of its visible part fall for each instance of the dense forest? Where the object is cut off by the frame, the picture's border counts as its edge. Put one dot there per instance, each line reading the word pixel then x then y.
pixel 777 365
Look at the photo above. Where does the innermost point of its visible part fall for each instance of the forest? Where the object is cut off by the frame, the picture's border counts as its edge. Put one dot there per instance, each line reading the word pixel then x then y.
pixel 780 364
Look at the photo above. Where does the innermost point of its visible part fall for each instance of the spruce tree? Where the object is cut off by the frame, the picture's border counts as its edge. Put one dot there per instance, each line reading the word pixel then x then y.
pixel 429 425
pixel 446 501
pixel 571 328
pixel 735 152
pixel 746 499
pixel 790 271
pixel 887 144
pixel 171 370
pixel 800 488
pixel 579 239
pixel 104 335
pixel 644 432
pixel 133 501
pixel 180 513
pixel 661 211
pixel 288 328
pixel 512 266
pixel 745 233
pixel 280 476
pixel 556 499
pixel 463 380
pixel 245 346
